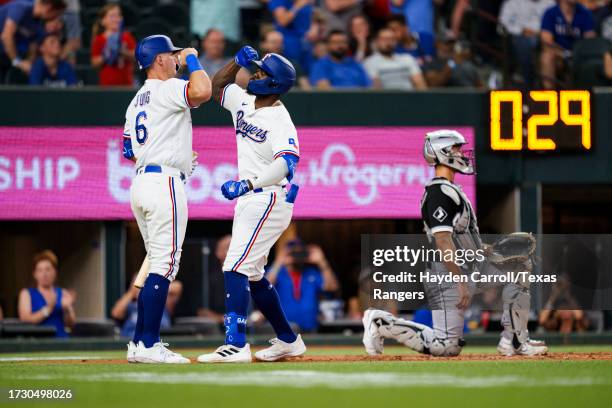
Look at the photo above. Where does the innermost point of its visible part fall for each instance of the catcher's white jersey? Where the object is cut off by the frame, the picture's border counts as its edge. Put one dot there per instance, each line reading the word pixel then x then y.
pixel 158 122
pixel 262 134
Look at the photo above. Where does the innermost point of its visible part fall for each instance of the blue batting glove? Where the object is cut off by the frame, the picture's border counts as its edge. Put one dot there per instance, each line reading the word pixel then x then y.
pixel 234 189
pixel 245 56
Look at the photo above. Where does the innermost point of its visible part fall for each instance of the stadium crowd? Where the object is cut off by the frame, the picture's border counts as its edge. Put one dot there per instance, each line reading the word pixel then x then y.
pixel 380 44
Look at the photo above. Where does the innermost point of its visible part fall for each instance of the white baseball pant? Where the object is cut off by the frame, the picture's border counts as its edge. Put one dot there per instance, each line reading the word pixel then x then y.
pixel 259 220
pixel 159 204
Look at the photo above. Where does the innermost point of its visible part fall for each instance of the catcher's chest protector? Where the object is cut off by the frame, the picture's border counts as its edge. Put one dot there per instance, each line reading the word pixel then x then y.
pixel 465 225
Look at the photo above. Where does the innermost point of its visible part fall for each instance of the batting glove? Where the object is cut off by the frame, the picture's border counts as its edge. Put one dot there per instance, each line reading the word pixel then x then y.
pixel 234 189
pixel 245 56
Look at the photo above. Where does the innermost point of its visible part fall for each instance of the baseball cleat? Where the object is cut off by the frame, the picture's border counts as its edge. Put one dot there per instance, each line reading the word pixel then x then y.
pixel 158 354
pixel 372 340
pixel 528 348
pixel 228 354
pixel 279 350
pixel 132 349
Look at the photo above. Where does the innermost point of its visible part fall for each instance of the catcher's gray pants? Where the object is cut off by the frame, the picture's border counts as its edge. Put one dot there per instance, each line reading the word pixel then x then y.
pixel 448 320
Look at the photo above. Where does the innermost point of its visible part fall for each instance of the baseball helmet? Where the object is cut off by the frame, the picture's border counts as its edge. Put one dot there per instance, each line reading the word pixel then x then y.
pixel 150 47
pixel 280 79
pixel 438 150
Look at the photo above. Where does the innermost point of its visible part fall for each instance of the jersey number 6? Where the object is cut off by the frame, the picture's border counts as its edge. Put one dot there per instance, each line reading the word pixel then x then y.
pixel 141 129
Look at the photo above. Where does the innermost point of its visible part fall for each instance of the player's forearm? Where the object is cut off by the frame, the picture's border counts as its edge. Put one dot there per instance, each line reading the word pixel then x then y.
pixel 271 175
pixel 223 77
pixel 444 242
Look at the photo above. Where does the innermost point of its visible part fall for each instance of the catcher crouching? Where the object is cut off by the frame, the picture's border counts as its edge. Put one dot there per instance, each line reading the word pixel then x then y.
pixel 450 224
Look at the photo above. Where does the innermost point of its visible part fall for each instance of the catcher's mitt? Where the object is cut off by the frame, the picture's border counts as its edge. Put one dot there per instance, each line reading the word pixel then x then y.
pixel 514 252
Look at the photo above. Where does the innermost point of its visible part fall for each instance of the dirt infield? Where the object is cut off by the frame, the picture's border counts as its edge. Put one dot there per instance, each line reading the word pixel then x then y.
pixel 573 356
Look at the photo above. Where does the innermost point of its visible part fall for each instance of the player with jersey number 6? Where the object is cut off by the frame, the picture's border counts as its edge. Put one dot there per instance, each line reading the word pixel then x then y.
pixel 158 139
pixel 268 153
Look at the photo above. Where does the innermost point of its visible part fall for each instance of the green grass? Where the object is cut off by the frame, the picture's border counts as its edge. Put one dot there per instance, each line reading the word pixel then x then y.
pixel 515 382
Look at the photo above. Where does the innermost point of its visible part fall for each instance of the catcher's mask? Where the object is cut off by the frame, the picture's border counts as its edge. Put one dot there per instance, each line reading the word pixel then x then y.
pixel 438 149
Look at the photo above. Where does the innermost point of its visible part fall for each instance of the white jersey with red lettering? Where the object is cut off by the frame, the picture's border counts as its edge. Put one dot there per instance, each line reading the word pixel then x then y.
pixel 158 124
pixel 261 216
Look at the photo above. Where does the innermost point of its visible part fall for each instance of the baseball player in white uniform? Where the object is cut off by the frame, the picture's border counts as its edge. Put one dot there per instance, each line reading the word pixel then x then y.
pixel 158 138
pixel 268 152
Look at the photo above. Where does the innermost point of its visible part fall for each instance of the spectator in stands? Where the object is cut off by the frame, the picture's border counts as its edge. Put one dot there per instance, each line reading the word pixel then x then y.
pixel 419 45
pixel 522 19
pixel 419 14
pixel 112 49
pixel 223 15
pixel 50 69
pixel 72 22
pixel 452 66
pixel 389 70
pixel 213 46
pixel 360 38
pixel 292 18
pixel 20 27
pixel 602 17
pixel 1 313
pixel 272 41
pixel 608 65
pixel 338 70
pixel 339 13
pixel 46 304
pixel 562 25
pixel 300 274
pixel 561 311
pixel 216 288
pixel 125 309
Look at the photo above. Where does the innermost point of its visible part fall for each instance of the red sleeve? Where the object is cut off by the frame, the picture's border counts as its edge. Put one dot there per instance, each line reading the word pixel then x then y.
pixel 98 45
pixel 129 40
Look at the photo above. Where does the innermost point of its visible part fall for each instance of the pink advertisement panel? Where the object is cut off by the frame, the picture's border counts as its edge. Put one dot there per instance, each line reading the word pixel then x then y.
pixel 344 172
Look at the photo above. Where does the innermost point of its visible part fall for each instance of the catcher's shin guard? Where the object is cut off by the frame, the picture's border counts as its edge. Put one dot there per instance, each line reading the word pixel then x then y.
pixel 413 335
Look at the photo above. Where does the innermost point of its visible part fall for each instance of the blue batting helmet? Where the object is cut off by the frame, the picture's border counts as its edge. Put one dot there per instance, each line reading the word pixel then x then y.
pixel 149 47
pixel 280 79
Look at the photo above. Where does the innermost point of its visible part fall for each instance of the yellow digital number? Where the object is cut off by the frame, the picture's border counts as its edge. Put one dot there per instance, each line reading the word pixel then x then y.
pixel 582 119
pixel 516 99
pixel 548 119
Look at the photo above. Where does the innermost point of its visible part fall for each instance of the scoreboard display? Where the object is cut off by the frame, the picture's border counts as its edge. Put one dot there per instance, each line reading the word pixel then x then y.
pixel 540 121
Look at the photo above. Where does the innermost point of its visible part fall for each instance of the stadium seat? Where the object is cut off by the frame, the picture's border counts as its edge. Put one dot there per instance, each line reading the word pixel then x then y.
pixel 589 74
pixel 131 16
pixel 83 56
pixel 176 15
pixel 15 76
pixel 590 48
pixel 152 26
pixel 93 328
pixel 87 74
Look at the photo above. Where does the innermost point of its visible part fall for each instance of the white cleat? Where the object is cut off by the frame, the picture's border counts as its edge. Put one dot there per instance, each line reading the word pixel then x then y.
pixel 528 348
pixel 280 350
pixel 132 350
pixel 372 340
pixel 228 354
pixel 158 354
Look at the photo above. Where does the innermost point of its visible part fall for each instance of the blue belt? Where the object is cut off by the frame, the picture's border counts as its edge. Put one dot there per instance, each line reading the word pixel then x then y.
pixel 154 168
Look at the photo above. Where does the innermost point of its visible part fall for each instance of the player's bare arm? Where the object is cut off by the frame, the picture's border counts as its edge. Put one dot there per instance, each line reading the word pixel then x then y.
pixel 199 89
pixel 222 78
pixel 444 242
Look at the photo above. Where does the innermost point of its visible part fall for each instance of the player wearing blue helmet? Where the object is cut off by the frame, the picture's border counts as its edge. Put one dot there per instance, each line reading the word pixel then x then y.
pixel 268 153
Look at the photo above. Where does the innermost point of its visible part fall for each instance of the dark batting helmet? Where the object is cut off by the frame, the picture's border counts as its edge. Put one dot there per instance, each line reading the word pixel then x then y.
pixel 150 47
pixel 280 79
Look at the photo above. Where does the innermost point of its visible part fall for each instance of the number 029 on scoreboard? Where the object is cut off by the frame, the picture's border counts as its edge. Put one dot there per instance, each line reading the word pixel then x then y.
pixel 540 120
